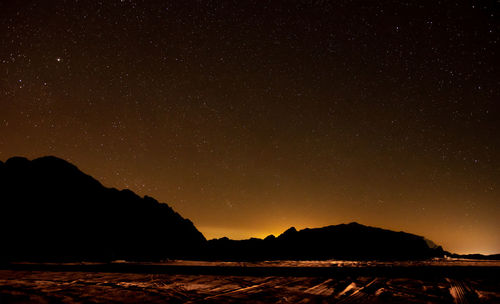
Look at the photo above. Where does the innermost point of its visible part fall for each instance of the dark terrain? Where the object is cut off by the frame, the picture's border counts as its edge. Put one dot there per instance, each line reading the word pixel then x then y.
pixel 52 211
pixel 61 231
pixel 345 241
pixel 434 281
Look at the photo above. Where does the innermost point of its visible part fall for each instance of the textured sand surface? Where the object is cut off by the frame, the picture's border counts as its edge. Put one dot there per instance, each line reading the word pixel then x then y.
pixel 94 287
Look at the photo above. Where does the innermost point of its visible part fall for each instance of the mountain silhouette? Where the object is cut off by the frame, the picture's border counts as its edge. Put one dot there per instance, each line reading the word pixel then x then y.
pixel 346 241
pixel 50 210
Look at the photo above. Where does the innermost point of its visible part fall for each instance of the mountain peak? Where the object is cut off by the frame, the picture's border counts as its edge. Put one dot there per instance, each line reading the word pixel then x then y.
pixel 59 212
pixel 355 224
pixel 17 160
pixel 53 161
pixel 288 233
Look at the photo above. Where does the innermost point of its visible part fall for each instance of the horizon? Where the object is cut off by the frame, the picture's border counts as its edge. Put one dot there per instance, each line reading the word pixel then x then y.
pixel 211 233
pixel 248 118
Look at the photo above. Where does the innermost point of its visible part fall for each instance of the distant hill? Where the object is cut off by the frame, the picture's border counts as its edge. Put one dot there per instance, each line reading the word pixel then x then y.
pixel 491 257
pixel 346 241
pixel 50 210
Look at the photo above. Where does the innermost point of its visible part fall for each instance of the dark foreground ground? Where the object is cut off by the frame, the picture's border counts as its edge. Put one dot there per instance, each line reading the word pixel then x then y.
pixel 284 282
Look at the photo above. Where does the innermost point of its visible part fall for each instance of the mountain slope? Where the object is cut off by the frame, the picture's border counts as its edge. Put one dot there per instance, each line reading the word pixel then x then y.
pixel 50 210
pixel 346 241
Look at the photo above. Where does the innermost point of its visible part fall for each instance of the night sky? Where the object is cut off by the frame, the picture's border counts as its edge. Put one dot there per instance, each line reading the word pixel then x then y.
pixel 249 117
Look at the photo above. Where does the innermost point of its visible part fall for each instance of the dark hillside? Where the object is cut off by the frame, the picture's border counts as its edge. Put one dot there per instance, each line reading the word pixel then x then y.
pixel 50 210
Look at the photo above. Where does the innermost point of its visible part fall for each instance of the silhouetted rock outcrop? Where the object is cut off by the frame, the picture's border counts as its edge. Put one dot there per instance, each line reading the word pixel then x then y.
pixel 476 256
pixel 50 210
pixel 351 242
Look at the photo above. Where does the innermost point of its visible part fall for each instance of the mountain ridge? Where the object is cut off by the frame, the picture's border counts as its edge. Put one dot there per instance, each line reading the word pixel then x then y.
pixel 352 241
pixel 105 223
pixel 55 211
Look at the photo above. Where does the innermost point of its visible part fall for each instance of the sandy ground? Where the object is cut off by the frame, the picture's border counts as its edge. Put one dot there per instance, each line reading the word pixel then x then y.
pixel 337 263
pixel 17 286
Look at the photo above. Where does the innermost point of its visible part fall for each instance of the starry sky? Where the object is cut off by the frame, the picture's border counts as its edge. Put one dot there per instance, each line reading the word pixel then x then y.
pixel 249 117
